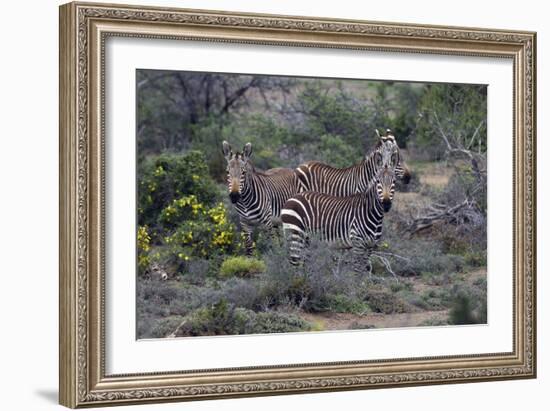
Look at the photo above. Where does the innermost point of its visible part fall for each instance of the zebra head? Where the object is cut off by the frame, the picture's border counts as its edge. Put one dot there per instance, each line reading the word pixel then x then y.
pixel 236 169
pixel 401 170
pixel 386 159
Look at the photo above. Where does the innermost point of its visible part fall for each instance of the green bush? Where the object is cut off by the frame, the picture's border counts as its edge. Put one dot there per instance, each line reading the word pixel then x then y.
pixel 168 177
pixel 334 112
pixel 225 319
pixel 458 107
pixel 326 283
pixel 334 151
pixel 266 134
pixel 437 299
pixel 313 285
pixel 157 301
pixel 462 311
pixel 382 300
pixel 476 259
pixel 468 308
pixel 241 267
pixel 342 303
pixel 275 322
pixel 199 232
pixel 424 254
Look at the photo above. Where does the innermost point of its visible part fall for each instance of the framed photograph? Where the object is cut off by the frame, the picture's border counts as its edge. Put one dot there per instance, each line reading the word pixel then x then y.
pixel 259 204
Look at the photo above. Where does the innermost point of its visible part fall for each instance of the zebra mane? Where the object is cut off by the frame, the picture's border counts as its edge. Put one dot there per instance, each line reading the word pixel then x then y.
pixel 368 192
pixel 267 173
pixel 251 167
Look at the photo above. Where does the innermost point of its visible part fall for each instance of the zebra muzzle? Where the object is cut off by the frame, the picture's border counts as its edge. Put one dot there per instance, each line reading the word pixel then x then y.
pixel 386 204
pixel 234 196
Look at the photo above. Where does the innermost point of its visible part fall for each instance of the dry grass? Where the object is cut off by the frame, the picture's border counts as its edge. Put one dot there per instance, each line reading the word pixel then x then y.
pixel 408 202
pixel 432 174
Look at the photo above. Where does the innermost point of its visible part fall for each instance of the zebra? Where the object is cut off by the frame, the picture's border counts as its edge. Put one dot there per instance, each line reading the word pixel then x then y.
pixel 257 196
pixel 323 178
pixel 348 222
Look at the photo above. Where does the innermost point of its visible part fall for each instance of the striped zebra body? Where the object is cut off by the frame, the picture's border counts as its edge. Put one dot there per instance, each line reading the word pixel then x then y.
pixel 323 178
pixel 257 196
pixel 349 222
pixel 264 194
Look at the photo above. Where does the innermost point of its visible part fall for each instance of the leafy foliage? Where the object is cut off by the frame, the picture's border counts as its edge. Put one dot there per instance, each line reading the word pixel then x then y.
pixel 458 111
pixel 469 307
pixel 241 267
pixel 143 248
pixel 200 232
pixel 167 177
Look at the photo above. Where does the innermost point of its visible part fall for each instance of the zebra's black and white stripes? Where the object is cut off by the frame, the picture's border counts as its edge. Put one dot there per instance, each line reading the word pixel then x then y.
pixel 323 178
pixel 342 206
pixel 258 196
pixel 350 222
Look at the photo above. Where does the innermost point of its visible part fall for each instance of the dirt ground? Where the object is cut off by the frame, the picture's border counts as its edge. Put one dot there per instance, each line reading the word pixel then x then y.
pixel 346 321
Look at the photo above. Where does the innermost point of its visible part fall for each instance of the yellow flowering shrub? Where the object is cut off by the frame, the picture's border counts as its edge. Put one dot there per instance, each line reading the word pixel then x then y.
pixel 143 248
pixel 166 178
pixel 179 216
pixel 198 231
pixel 182 208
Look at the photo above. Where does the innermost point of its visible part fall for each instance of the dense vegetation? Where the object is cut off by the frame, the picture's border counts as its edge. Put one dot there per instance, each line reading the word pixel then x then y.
pixel 193 277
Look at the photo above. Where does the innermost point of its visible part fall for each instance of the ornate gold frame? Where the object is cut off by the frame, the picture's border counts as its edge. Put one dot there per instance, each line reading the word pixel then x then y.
pixel 83 30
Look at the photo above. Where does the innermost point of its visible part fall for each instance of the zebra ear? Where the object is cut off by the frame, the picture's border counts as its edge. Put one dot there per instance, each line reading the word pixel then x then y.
pixel 226 149
pixel 378 135
pixel 247 151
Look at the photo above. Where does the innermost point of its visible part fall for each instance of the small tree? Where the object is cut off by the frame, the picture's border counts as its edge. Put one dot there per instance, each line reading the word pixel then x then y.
pixel 453 125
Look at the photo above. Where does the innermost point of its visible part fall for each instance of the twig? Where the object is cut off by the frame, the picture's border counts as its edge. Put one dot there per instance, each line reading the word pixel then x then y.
pixel 475 134
pixel 385 262
pixel 387 253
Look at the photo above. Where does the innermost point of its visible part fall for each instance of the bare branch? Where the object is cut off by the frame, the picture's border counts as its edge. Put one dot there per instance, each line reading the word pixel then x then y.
pixel 448 214
pixel 232 98
pixel 476 132
pixel 151 79
pixel 384 260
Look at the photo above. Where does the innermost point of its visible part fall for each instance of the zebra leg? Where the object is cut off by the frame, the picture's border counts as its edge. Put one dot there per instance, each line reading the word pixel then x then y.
pixel 357 251
pixel 367 261
pixel 297 245
pixel 270 229
pixel 361 255
pixel 295 242
pixel 276 234
pixel 248 241
pixel 358 261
